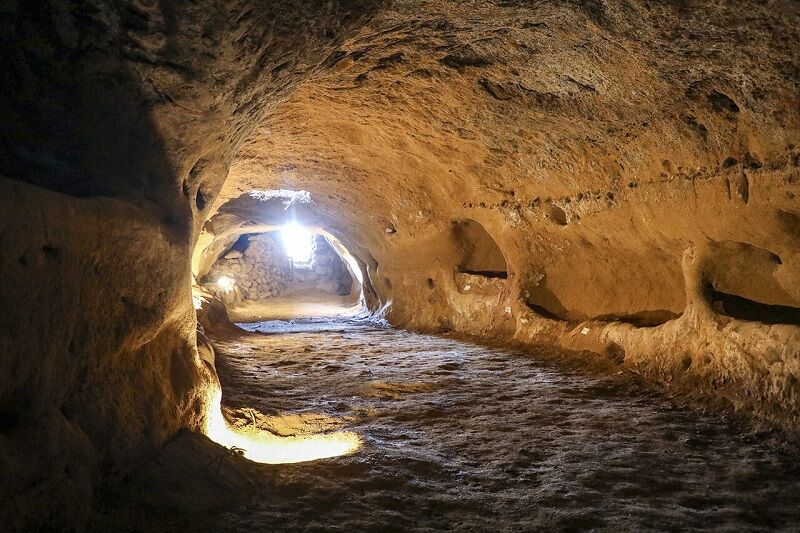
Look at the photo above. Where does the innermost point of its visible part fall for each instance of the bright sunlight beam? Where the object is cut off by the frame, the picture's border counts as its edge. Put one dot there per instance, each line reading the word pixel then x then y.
pixel 298 242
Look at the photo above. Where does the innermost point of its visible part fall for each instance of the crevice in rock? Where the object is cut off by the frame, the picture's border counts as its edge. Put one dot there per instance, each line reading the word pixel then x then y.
pixel 543 311
pixel 496 274
pixel 642 319
pixel 200 200
pixel 742 308
pixel 721 102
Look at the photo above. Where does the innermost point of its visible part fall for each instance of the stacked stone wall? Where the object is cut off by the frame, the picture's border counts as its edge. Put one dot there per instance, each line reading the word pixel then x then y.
pixel 259 272
pixel 260 269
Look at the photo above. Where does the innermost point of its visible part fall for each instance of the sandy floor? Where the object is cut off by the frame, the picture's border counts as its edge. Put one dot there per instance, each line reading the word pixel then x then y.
pixel 293 306
pixel 459 436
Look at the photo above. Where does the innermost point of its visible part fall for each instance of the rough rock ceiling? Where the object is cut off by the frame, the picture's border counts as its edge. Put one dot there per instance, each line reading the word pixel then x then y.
pixel 597 139
pixel 447 104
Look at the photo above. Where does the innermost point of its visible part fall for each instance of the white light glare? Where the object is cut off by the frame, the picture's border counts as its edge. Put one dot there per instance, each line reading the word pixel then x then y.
pixel 225 283
pixel 298 242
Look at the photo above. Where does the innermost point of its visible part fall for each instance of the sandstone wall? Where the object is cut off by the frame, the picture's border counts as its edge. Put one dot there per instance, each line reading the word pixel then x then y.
pixel 630 163
pixel 119 123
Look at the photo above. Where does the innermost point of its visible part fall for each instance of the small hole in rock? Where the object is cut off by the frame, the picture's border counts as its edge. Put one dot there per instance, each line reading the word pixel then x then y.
pixel 200 200
pixel 722 102
pixel 752 161
pixel 616 353
pixel 51 252
pixel 557 215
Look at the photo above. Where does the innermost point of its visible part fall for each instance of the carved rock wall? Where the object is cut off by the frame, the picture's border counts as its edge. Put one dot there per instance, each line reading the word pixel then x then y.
pixel 120 120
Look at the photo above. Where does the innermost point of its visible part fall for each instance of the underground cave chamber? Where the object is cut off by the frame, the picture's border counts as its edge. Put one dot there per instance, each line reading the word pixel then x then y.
pixel 285 273
pixel 409 265
pixel 265 256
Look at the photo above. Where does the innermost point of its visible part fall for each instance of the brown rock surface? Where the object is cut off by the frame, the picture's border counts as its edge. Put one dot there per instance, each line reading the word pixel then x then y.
pixel 626 164
pixel 119 122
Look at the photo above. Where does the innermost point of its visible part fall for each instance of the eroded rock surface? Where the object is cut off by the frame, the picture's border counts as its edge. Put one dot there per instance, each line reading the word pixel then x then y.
pixel 624 175
pixel 119 122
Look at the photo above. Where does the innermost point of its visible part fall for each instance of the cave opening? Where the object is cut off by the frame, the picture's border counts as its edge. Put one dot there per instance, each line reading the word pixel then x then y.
pixel 280 275
pixel 289 271
pixel 298 243
pixel 268 262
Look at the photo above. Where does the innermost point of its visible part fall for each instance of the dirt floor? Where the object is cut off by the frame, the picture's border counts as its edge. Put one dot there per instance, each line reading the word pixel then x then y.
pixel 299 304
pixel 460 436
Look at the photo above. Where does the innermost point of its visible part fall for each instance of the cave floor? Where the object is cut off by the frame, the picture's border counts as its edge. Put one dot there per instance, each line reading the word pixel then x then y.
pixel 299 304
pixel 460 436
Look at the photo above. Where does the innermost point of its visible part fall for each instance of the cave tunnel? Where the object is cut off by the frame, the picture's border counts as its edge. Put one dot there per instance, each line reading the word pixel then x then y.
pixel 291 272
pixel 405 265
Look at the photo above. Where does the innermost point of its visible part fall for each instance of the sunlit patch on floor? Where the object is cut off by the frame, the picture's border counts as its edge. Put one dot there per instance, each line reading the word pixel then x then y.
pixel 264 447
